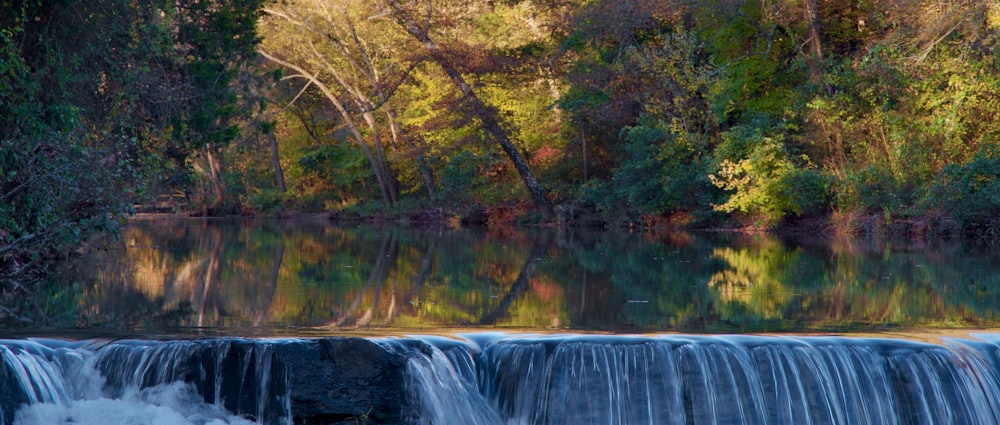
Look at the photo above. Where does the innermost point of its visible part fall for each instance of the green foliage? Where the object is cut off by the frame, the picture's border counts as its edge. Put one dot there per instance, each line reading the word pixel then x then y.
pixel 969 192
pixel 461 176
pixel 603 198
pixel 758 52
pixel 638 115
pixel 869 189
pixel 341 164
pixel 767 184
pixel 638 179
pixel 664 78
pixel 266 200
pixel 622 69
pixel 56 185
pixel 89 95
pixel 662 173
pixel 216 39
pixel 669 108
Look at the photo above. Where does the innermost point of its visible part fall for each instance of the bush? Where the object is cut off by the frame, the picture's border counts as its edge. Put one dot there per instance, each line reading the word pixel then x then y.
pixel 870 189
pixel 460 177
pixel 969 192
pixel 663 172
pixel 804 192
pixel 266 200
pixel 768 185
pixel 600 197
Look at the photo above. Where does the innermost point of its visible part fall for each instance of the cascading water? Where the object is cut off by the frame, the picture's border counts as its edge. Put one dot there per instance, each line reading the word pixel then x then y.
pixel 725 380
pixel 498 379
pixel 138 383
pixel 441 383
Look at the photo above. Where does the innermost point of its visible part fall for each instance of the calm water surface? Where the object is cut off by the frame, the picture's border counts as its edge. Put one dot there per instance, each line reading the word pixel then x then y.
pixel 255 277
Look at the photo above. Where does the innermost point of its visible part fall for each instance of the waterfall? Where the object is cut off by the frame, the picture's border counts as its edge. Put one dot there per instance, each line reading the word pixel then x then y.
pixel 500 379
pixel 133 382
pixel 617 380
pixel 441 383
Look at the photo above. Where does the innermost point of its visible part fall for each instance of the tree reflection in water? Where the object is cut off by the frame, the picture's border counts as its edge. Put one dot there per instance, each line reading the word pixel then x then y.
pixel 247 276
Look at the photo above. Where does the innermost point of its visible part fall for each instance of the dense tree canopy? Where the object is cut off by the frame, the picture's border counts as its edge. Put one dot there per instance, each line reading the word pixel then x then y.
pixel 731 112
pixel 759 111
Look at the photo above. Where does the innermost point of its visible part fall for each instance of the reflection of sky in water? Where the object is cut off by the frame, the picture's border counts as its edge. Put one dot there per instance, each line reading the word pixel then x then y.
pixel 237 276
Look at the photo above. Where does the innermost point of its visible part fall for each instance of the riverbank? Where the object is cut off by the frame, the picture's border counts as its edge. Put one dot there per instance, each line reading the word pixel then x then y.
pixel 867 224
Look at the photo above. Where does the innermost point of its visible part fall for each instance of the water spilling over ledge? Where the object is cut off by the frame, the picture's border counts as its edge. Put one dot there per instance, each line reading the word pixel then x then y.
pixel 503 379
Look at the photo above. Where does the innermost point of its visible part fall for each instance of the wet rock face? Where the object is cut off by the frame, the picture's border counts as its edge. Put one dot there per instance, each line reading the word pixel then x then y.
pixel 11 395
pixel 324 382
pixel 344 380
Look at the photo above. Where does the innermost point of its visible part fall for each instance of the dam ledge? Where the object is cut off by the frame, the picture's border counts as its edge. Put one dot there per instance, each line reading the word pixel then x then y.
pixel 493 378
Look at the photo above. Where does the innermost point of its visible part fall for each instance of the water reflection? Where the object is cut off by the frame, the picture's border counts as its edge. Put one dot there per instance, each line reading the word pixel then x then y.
pixel 239 276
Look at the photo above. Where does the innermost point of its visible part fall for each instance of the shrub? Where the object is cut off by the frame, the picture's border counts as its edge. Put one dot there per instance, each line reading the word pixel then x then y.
pixel 664 171
pixel 870 189
pixel 969 192
pixel 460 177
pixel 767 185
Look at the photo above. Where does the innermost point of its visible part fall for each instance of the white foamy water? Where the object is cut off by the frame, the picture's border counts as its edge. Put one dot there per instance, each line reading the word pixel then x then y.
pixel 170 404
pixel 63 386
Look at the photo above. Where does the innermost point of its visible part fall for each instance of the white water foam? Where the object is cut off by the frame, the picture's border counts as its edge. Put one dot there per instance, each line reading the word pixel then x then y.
pixel 63 387
pixel 170 404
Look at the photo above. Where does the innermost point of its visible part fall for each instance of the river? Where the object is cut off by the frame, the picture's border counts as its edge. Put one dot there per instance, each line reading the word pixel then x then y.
pixel 261 277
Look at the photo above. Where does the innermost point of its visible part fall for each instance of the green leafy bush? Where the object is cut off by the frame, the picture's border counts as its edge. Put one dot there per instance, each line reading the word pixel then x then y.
pixel 768 185
pixel 460 177
pixel 869 189
pixel 969 192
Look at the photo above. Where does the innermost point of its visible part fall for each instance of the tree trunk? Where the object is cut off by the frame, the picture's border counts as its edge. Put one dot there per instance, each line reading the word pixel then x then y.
pixel 814 59
pixel 583 142
pixel 369 118
pixel 351 125
pixel 488 116
pixel 276 162
pixel 214 171
pixel 422 165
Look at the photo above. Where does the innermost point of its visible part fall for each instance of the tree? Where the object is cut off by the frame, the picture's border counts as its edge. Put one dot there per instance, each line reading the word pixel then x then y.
pixel 488 117
pixel 215 42
pixel 325 45
pixel 608 68
pixel 97 100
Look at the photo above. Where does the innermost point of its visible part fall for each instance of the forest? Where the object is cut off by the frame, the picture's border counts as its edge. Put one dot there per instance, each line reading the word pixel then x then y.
pixel 853 115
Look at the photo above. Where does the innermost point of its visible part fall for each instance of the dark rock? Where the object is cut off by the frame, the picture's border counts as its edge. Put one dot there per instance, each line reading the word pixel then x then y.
pixel 344 380
pixel 253 383
pixel 325 381
pixel 329 381
pixel 11 394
